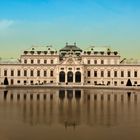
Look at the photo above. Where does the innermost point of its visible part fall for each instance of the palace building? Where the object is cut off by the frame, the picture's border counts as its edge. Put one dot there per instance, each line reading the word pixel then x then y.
pixel 70 65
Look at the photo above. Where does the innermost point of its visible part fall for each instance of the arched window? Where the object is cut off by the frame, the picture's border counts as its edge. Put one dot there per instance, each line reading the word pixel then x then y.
pixel 78 77
pixel 70 76
pixel 62 76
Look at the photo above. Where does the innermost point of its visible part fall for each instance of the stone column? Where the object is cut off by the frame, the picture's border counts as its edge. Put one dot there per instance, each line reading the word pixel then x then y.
pixel 65 77
pixel 73 77
pixel 57 76
pixel 82 77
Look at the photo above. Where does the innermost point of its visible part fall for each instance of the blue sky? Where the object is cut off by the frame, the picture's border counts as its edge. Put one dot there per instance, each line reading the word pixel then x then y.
pixel 114 23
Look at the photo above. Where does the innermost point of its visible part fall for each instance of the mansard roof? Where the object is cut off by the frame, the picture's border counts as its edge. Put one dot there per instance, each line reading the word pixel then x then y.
pixel 42 48
pixel 97 49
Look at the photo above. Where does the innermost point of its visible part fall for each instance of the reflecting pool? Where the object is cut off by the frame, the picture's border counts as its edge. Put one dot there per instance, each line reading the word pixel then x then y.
pixel 69 114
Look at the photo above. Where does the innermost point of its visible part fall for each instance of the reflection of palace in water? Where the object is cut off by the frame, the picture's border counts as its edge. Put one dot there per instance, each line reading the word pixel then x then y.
pixel 69 108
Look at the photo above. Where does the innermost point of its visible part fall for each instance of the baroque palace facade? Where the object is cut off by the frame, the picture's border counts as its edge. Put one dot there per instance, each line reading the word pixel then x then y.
pixel 70 66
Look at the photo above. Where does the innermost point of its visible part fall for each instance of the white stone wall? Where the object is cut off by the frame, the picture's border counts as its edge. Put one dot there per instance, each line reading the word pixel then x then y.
pixel 119 79
pixel 110 63
pixel 107 60
pixel 48 78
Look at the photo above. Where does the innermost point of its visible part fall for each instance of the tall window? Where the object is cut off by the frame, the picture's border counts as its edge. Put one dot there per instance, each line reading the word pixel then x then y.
pixel 88 61
pixel 38 61
pixel 129 74
pixel 12 72
pixel 32 61
pixel 122 73
pixel 115 73
pixel 108 74
pixel 135 74
pixel 45 73
pixel 95 73
pixel 51 61
pixel 45 61
pixel 102 73
pixel 102 61
pixel 88 73
pixel 18 73
pixel 38 72
pixel 25 61
pixel 51 74
pixel 95 62
pixel 25 72
pixel 5 72
pixel 31 73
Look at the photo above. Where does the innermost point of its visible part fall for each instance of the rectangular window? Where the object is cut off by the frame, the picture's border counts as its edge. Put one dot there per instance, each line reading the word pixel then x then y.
pixel 12 72
pixel 45 61
pixel 115 73
pixel 32 61
pixel 25 61
pixel 108 74
pixel 38 61
pixel 129 74
pixel 5 72
pixel 51 61
pixel 122 82
pixel 95 73
pixel 122 73
pixel 45 73
pixel 95 61
pixel 38 73
pixel 135 73
pixel 31 73
pixel 88 73
pixel 25 72
pixel 102 62
pixel 51 74
pixel 88 61
pixel 102 73
pixel 18 73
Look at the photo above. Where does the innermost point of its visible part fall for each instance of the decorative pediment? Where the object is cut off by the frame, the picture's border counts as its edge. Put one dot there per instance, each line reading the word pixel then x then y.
pixel 71 61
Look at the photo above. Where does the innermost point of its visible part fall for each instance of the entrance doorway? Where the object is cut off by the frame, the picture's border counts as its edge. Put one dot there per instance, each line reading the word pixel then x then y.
pixel 70 76
pixel 78 77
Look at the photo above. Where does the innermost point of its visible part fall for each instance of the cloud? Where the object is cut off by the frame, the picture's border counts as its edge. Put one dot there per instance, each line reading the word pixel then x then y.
pixel 4 24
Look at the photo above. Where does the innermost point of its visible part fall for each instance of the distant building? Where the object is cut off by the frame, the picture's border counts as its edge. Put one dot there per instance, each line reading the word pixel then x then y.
pixel 70 65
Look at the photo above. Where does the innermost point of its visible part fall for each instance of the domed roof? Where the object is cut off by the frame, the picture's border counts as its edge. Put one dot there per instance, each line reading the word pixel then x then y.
pixel 71 48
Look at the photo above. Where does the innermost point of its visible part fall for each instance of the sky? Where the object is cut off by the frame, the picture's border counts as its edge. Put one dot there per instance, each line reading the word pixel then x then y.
pixel 112 23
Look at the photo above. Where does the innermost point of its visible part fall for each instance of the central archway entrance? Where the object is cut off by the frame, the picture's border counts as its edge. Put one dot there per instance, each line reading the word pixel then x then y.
pixel 78 77
pixel 62 76
pixel 70 76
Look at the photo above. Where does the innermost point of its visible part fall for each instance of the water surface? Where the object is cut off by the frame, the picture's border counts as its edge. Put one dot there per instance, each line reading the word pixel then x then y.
pixel 65 114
